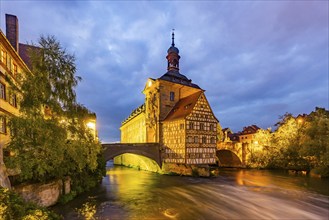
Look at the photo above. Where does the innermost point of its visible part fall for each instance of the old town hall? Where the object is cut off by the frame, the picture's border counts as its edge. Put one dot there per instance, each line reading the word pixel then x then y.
pixel 175 114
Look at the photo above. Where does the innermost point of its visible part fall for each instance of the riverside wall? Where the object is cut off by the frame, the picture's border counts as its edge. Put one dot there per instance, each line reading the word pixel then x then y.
pixel 44 194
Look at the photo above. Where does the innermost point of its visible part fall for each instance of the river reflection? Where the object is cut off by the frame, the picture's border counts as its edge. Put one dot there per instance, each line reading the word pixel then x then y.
pixel 236 194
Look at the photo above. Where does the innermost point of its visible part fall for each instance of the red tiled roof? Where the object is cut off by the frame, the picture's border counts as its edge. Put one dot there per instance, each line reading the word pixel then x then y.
pixel 250 129
pixel 183 107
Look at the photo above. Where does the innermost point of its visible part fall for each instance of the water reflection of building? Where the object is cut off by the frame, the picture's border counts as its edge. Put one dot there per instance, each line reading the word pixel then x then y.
pixel 176 114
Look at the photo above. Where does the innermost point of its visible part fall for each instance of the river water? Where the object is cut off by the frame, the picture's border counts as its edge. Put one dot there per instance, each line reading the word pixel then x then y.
pixel 128 193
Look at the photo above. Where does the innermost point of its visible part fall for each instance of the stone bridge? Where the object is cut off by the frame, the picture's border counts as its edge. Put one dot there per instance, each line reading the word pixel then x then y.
pixel 150 150
pixel 231 154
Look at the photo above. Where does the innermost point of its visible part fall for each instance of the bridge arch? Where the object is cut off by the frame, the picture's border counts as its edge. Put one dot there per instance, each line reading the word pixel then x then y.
pixel 137 161
pixel 145 150
pixel 228 158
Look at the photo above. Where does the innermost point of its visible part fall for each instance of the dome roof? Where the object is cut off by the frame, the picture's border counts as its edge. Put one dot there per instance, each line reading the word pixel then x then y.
pixel 173 49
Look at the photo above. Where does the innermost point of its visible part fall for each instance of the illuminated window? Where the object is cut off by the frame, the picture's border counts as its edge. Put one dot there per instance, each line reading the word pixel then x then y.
pixel 201 126
pixel 13 100
pixel 172 96
pixel 4 57
pixel 196 139
pixel 191 125
pixel 15 69
pixel 2 124
pixel 2 91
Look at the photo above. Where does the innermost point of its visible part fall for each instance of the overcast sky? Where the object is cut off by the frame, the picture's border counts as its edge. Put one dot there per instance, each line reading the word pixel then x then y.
pixel 256 60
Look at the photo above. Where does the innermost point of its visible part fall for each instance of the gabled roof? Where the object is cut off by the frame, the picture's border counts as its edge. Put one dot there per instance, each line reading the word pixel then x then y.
pixel 250 129
pixel 183 107
pixel 228 130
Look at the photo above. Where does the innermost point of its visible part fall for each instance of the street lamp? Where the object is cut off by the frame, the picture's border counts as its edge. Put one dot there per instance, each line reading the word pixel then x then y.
pixel 91 125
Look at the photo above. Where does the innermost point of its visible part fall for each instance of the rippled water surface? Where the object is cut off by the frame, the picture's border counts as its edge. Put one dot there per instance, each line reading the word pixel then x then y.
pixel 127 193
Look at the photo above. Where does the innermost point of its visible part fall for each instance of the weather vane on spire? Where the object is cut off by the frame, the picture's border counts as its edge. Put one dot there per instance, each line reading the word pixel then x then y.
pixel 173 38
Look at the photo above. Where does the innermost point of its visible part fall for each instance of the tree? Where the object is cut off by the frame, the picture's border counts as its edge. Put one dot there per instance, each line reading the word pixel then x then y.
pixel 56 144
pixel 263 151
pixel 315 145
pixel 52 80
pixel 287 139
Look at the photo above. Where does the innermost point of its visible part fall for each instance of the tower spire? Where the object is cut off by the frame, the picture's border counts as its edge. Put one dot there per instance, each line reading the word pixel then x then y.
pixel 173 57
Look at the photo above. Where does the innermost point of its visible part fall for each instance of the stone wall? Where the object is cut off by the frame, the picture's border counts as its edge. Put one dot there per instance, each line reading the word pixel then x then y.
pixel 44 194
pixel 186 170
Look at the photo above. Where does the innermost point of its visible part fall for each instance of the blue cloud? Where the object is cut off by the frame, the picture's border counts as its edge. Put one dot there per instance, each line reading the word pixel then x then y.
pixel 256 60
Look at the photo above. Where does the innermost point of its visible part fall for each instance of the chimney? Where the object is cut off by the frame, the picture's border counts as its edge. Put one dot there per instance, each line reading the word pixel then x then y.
pixel 12 30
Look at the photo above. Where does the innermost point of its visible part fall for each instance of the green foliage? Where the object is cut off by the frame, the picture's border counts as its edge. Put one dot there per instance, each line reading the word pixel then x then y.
pixel 52 80
pixel 14 207
pixel 220 133
pixel 87 179
pixel 67 197
pixel 88 210
pixel 38 148
pixel 195 172
pixel 57 144
pixel 296 144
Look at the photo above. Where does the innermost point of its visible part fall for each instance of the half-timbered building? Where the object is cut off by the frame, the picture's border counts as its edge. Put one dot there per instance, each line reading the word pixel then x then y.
pixel 176 114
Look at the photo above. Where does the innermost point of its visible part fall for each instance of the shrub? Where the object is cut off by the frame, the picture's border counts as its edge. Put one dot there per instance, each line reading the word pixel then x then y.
pixel 12 206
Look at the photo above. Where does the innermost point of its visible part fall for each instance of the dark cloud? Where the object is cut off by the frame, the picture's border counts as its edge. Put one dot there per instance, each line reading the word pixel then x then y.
pixel 256 59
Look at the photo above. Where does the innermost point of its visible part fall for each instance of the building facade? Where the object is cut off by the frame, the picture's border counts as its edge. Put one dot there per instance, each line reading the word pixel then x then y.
pixel 12 69
pixel 175 114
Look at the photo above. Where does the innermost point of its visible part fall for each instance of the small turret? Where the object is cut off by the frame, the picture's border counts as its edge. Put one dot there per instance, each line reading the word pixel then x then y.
pixel 173 57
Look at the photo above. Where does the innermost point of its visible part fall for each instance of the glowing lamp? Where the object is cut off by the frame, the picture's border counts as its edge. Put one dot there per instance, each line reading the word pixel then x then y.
pixel 91 125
